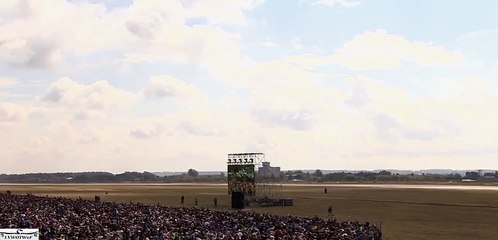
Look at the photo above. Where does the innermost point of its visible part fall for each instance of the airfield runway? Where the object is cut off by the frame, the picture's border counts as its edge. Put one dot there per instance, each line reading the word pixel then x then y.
pixel 405 186
pixel 404 211
pixel 332 185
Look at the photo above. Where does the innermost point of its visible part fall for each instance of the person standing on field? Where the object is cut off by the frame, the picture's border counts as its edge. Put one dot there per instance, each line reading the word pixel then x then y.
pixel 215 201
pixel 331 215
pixel 182 200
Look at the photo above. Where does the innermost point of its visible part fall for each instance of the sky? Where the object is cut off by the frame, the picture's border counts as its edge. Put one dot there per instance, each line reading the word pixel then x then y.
pixel 153 85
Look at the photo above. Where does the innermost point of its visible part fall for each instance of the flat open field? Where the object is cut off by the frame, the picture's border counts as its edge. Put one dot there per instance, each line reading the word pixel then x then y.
pixel 404 213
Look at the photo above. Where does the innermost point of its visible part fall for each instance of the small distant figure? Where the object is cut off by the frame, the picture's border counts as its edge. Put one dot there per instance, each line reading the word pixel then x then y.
pixel 196 202
pixel 97 199
pixel 215 201
pixel 9 192
pixel 331 215
pixel 325 190
pixel 182 200
pixel 106 193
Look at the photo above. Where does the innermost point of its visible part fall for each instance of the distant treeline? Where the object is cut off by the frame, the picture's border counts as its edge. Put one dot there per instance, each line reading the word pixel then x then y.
pixel 106 177
pixel 386 176
pixel 285 176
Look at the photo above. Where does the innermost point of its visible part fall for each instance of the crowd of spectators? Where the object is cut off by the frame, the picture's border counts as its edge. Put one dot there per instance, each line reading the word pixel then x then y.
pixel 64 218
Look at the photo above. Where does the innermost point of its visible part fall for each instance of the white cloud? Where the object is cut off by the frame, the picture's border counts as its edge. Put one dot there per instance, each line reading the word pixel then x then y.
pixel 90 135
pixel 202 130
pixel 148 129
pixel 296 43
pixel 359 96
pixel 12 113
pixel 98 96
pixel 301 120
pixel 332 3
pixel 477 46
pixel 166 86
pixel 439 121
pixel 208 47
pixel 290 118
pixel 382 50
pixel 289 107
pixel 6 82
pixel 220 11
pixel 285 94
pixel 270 44
pixel 42 35
pixel 19 113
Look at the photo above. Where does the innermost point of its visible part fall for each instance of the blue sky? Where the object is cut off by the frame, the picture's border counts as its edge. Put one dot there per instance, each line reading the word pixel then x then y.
pixel 170 85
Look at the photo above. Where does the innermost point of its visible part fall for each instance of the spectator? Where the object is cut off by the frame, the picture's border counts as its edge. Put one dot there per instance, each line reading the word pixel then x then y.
pixel 87 219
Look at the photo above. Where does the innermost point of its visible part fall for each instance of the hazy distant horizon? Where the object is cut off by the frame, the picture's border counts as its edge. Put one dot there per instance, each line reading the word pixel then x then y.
pixel 334 84
pixel 207 172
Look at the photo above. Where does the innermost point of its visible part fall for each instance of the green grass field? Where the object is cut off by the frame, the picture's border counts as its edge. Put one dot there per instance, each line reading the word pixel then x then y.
pixel 402 213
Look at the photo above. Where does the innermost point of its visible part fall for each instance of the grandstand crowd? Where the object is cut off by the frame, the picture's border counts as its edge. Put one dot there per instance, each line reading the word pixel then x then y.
pixel 64 218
